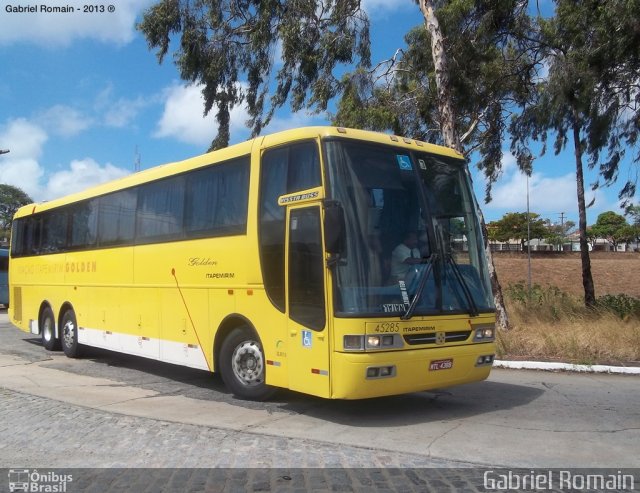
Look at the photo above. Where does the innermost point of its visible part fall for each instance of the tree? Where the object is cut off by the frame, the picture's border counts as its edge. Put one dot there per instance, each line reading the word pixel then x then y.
pixel 589 97
pixel 634 212
pixel 557 233
pixel 224 43
pixel 513 226
pixel 612 227
pixel 627 234
pixel 11 199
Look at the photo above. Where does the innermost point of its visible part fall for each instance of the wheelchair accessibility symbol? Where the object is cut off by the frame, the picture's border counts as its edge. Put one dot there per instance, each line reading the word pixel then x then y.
pixel 306 338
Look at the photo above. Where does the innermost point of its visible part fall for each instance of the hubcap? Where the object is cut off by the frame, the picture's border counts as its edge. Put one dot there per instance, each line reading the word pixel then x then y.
pixel 68 333
pixel 248 364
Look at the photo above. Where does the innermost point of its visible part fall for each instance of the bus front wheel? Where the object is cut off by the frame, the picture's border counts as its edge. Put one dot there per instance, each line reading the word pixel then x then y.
pixel 69 335
pixel 242 365
pixel 48 330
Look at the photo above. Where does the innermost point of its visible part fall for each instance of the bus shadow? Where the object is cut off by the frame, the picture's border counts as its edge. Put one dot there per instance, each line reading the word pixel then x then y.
pixel 168 379
pixel 462 401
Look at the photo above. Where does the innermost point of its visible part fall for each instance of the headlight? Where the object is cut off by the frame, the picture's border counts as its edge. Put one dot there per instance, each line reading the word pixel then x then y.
pixel 484 334
pixel 373 341
pixel 353 343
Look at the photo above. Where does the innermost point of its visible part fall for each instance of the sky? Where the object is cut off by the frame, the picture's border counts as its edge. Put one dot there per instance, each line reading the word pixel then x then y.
pixel 82 99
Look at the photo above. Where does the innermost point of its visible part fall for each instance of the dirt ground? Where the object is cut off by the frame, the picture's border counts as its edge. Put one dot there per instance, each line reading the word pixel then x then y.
pixel 613 273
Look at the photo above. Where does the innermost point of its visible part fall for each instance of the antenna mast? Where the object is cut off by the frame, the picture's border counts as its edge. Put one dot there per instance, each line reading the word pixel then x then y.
pixel 136 160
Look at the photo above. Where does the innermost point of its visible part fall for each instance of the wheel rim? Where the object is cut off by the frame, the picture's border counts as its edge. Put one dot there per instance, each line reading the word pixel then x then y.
pixel 69 333
pixel 46 330
pixel 248 364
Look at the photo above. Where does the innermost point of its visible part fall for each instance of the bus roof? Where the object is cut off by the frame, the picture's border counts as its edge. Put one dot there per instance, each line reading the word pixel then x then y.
pixel 236 150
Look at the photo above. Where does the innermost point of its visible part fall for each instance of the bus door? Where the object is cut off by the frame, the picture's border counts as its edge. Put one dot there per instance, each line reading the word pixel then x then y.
pixel 306 303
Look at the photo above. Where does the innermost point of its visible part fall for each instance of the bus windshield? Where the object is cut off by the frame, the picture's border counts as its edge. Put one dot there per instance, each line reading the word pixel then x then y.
pixel 413 241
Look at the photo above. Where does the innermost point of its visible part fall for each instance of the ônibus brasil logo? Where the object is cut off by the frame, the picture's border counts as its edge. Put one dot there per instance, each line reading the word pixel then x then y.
pixel 38 482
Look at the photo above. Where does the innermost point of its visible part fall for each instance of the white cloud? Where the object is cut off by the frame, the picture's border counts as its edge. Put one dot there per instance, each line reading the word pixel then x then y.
pixel 183 118
pixel 80 174
pixel 508 162
pixel 23 139
pixel 294 120
pixel 21 166
pixel 24 173
pixel 375 7
pixel 64 121
pixel 548 195
pixel 120 112
pixel 55 29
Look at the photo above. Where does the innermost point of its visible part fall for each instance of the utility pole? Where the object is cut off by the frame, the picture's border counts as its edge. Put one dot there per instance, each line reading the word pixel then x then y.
pixel 562 230
pixel 528 242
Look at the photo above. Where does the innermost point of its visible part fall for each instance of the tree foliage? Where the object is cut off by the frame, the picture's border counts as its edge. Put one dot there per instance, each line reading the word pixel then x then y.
pixel 591 94
pixel 232 49
pixel 612 227
pixel 589 97
pixel 11 199
pixel 513 226
pixel 557 233
pixel 633 211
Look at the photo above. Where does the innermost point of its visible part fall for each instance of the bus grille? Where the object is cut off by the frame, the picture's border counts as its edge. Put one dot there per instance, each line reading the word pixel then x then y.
pixel 458 336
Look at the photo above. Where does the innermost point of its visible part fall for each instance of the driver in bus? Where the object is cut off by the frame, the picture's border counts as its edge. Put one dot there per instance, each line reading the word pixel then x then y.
pixel 404 256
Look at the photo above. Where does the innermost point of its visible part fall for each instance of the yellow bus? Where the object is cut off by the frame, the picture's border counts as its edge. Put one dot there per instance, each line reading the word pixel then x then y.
pixel 340 263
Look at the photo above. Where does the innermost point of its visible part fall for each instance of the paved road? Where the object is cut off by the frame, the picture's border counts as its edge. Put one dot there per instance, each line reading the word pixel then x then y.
pixel 110 410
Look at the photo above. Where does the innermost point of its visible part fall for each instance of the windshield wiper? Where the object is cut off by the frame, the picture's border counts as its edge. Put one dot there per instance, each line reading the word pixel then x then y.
pixel 424 275
pixel 473 308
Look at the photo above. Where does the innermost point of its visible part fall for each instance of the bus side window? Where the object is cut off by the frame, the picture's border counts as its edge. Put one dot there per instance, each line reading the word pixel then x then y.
pixel 273 183
pixel 306 269
pixel 304 167
pixel 284 170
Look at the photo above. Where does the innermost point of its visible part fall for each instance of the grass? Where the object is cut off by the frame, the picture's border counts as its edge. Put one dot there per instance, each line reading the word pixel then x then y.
pixel 551 325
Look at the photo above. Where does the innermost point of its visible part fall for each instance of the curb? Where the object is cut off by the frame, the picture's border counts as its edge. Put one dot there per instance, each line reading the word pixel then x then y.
pixel 536 365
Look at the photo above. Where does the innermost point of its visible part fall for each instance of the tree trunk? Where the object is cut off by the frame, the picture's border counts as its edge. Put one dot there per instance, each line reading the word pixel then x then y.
pixel 452 139
pixel 502 319
pixel 443 83
pixel 587 279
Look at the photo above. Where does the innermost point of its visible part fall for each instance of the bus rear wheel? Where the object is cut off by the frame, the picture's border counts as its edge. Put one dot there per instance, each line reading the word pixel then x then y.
pixel 48 330
pixel 242 365
pixel 69 335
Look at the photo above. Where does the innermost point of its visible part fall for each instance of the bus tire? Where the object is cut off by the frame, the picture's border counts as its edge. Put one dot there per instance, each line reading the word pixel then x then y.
pixel 48 330
pixel 243 365
pixel 69 335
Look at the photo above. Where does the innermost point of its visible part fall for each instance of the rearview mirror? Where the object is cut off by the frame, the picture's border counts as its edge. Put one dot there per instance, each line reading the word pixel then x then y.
pixel 334 227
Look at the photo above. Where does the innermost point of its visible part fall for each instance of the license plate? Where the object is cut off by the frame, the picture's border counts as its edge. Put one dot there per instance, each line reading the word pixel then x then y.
pixel 441 364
